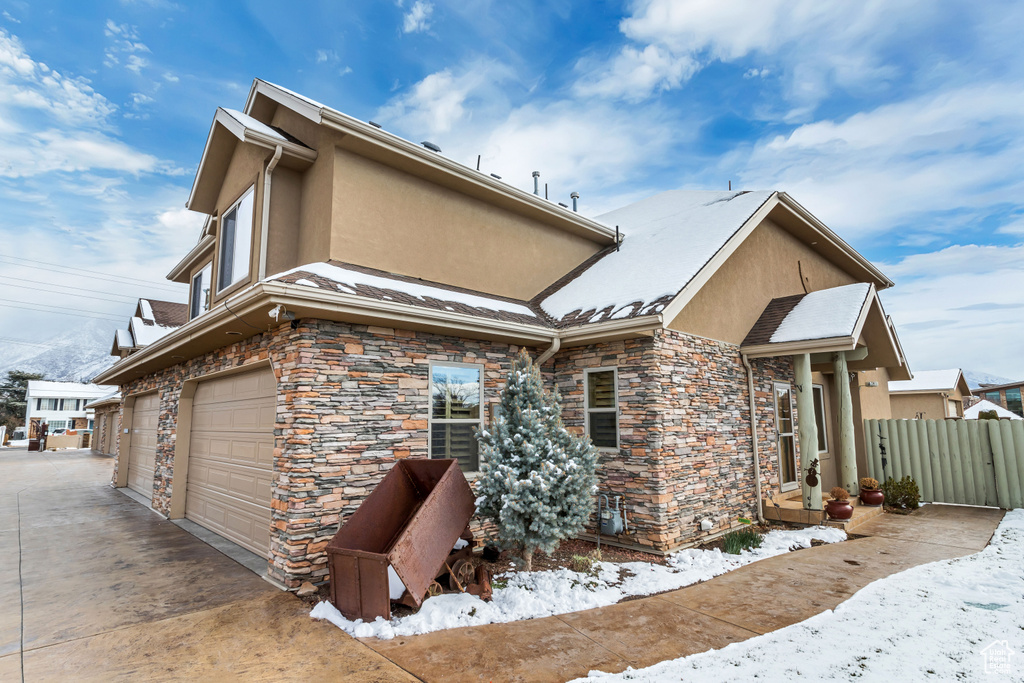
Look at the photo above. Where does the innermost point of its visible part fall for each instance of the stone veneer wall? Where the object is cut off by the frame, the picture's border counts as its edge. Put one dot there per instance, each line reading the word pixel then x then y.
pixel 351 401
pixel 354 399
pixel 684 432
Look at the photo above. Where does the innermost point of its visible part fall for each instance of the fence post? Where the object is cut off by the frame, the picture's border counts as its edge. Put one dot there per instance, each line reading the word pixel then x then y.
pixel 921 473
pixel 967 462
pixel 934 461
pixel 926 458
pixel 905 456
pixel 999 463
pixel 985 437
pixel 1017 428
pixel 892 442
pixel 1010 456
pixel 955 461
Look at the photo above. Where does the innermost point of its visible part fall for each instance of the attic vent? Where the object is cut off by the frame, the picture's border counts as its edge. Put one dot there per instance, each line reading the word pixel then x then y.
pixel 374 124
pixel 431 146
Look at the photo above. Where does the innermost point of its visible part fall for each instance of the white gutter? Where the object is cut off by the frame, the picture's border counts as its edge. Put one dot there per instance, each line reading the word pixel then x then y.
pixel 753 437
pixel 264 227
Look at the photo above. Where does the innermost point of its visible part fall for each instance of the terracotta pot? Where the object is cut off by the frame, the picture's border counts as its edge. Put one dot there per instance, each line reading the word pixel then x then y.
pixel 839 509
pixel 872 497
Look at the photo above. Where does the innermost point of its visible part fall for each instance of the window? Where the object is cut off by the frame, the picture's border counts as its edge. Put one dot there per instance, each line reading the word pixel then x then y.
pixel 1013 401
pixel 200 300
pixel 47 404
pixel 819 417
pixel 235 242
pixel 784 429
pixel 57 424
pixel 994 397
pixel 602 407
pixel 455 415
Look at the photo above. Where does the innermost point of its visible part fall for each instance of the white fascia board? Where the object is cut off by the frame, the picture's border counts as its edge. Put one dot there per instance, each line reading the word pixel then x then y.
pixel 596 332
pixel 690 289
pixel 848 343
pixel 826 233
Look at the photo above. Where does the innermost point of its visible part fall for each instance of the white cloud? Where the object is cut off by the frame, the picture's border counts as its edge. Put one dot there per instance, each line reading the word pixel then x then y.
pixel 124 40
pixel 9 18
pixel 323 56
pixel 954 150
pixel 417 19
pixel 960 307
pixel 136 63
pixel 634 74
pixel 171 78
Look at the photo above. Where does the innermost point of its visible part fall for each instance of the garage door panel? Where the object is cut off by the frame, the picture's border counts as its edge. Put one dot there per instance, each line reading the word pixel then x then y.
pixel 142 449
pixel 230 472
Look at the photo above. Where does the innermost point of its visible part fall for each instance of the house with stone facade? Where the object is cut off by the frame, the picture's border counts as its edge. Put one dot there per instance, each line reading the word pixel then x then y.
pixel 358 298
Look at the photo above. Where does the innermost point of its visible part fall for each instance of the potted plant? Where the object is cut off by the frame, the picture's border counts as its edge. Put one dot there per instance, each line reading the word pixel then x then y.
pixel 839 506
pixel 870 493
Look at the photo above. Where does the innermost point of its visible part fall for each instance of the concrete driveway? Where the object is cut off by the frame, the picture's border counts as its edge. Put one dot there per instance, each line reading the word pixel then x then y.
pixel 95 586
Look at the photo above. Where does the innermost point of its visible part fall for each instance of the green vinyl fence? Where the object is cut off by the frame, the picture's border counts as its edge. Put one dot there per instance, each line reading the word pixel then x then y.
pixel 971 462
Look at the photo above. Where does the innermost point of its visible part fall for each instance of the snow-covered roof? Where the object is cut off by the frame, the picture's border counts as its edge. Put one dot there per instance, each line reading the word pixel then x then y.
pixel 145 332
pixel 252 124
pixel 38 388
pixel 983 405
pixel 350 279
pixel 928 380
pixel 123 339
pixel 668 239
pixel 824 314
pixel 111 397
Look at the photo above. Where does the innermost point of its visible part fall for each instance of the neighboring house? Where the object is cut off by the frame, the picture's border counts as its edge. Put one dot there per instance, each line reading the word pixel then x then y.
pixel 974 411
pixel 106 416
pixel 152 320
pixel 930 395
pixel 1007 396
pixel 358 299
pixel 61 405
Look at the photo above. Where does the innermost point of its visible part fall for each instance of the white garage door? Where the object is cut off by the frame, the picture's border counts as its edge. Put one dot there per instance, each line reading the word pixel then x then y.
pixel 231 457
pixel 142 449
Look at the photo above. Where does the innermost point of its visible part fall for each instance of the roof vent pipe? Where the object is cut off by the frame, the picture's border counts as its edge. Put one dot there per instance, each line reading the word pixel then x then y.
pixel 575 196
pixel 536 183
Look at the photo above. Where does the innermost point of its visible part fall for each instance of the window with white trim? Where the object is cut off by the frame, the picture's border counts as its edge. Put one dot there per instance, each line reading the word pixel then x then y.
pixel 235 242
pixel 57 424
pixel 602 407
pixel 819 417
pixel 199 302
pixel 455 413
pixel 47 404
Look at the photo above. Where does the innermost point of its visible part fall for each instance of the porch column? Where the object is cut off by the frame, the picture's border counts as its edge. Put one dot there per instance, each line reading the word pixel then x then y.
pixel 847 448
pixel 810 467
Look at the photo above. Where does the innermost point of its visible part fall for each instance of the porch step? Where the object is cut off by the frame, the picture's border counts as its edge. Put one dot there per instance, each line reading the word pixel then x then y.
pixel 792 511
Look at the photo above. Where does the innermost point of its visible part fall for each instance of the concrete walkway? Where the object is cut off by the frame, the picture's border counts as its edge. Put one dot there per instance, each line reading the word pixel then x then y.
pixel 755 599
pixel 95 586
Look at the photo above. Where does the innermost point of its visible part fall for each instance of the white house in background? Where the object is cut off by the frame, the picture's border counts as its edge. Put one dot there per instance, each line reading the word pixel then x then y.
pixel 59 403
pixel 151 321
pixel 983 405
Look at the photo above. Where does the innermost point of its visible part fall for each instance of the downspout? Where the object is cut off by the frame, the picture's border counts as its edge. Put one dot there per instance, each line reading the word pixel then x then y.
pixel 264 224
pixel 753 437
pixel 556 343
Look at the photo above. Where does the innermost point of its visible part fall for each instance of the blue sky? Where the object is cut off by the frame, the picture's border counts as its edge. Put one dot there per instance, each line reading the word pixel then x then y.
pixel 897 123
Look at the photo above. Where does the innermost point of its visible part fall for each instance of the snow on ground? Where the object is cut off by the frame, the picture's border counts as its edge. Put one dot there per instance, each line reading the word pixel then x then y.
pixel 16 443
pixel 927 623
pixel 547 593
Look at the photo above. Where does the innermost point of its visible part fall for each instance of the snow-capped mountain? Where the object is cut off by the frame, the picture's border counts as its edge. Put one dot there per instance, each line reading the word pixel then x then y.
pixel 73 356
pixel 976 379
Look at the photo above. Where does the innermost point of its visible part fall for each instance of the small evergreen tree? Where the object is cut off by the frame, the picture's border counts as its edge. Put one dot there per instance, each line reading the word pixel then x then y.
pixel 537 480
pixel 12 398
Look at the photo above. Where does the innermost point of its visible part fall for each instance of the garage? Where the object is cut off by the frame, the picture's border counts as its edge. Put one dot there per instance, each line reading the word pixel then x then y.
pixel 142 448
pixel 231 457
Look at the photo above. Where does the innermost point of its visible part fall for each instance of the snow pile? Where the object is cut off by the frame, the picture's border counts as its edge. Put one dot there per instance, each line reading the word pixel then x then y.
pixel 983 405
pixel 16 443
pixel 530 595
pixel 931 622
pixel 824 314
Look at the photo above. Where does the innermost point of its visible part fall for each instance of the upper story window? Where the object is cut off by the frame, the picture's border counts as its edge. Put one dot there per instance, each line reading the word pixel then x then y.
pixel 455 414
pixel 602 407
pixel 235 242
pixel 200 300
pixel 47 404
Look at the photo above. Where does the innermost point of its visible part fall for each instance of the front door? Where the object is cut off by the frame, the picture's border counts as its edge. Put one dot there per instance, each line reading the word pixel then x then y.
pixel 788 473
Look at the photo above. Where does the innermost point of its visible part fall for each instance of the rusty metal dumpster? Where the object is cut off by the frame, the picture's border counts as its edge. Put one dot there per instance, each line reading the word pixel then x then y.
pixel 409 522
